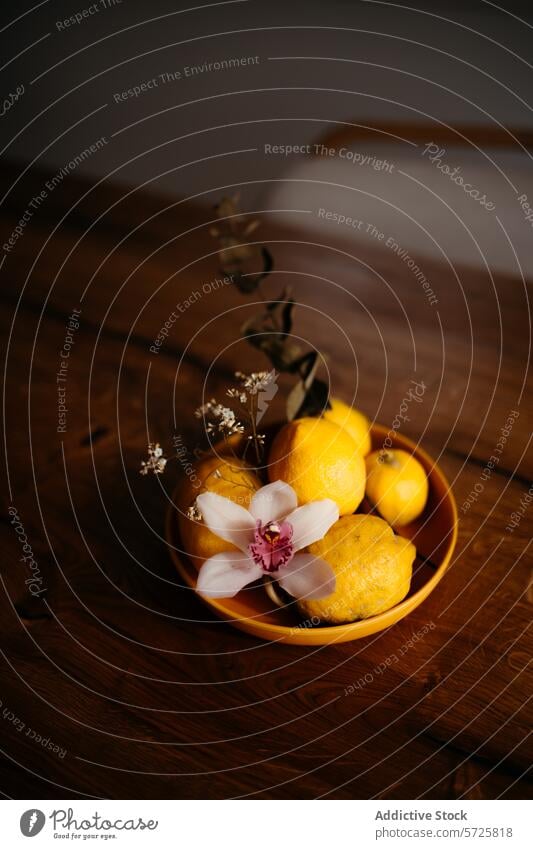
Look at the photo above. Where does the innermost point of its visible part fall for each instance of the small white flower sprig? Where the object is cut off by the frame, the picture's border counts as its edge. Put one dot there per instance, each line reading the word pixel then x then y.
pixel 156 462
pixel 255 382
pixel 223 420
pixel 219 419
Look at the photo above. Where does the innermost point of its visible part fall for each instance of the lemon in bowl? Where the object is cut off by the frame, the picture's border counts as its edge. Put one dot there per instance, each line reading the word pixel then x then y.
pixel 397 485
pixel 319 459
pixel 227 476
pixel 373 569
pixel 353 421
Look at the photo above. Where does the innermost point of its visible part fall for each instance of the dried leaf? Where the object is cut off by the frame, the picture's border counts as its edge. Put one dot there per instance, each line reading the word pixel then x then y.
pixel 268 331
pixel 307 367
pixel 310 396
pixel 307 402
pixel 244 283
pixel 268 262
pixel 237 256
pixel 286 314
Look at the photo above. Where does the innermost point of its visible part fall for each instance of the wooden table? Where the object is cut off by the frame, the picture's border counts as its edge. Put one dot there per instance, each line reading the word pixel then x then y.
pixel 117 682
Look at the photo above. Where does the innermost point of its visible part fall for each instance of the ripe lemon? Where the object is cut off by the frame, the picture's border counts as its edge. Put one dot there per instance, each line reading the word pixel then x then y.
pixel 319 460
pixel 397 485
pixel 353 421
pixel 372 565
pixel 227 476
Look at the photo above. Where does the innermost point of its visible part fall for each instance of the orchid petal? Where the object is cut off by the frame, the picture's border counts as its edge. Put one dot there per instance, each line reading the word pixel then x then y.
pixel 227 519
pixel 225 574
pixel 273 502
pixel 312 522
pixel 307 577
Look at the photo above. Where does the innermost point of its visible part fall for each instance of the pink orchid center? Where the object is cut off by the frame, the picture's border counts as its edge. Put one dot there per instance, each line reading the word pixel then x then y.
pixel 272 546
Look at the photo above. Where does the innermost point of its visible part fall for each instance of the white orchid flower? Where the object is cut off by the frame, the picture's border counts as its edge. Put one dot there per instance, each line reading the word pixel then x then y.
pixel 268 535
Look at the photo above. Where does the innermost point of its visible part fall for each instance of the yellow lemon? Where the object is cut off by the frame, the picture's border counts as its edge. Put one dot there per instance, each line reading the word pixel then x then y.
pixel 352 420
pixel 319 460
pixel 397 485
pixel 372 565
pixel 226 476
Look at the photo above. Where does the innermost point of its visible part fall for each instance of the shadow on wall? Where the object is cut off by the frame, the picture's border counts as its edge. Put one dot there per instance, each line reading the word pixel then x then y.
pixel 167 85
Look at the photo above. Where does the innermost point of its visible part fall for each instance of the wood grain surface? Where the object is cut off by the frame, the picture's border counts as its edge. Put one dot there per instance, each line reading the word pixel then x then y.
pixel 142 691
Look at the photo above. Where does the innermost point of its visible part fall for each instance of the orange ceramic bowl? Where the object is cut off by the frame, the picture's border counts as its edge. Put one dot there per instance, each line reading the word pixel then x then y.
pixel 434 534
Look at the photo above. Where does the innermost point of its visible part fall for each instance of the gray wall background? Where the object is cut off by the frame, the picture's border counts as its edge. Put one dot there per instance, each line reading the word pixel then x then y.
pixel 453 62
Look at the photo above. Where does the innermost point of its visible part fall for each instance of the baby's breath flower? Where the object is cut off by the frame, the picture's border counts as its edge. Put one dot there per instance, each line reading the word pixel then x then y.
pixel 219 418
pixel 156 462
pixel 230 428
pixel 257 437
pixel 255 382
pixel 194 513
pixel 237 393
pixel 205 409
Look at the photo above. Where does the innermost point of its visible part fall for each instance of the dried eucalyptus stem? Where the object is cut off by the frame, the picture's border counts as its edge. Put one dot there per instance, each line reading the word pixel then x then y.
pixel 270 330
